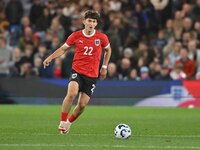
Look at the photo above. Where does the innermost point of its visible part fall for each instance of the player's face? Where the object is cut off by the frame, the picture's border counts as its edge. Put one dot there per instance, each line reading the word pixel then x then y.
pixel 90 24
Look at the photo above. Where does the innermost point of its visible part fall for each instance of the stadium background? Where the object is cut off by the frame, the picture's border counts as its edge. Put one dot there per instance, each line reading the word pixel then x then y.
pixel 154 41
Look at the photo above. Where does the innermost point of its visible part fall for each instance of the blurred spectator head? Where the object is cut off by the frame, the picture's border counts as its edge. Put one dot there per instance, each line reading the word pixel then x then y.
pixel 166 61
pixel 97 6
pixel 144 73
pixel 25 21
pixel 198 3
pixel 184 53
pixel 42 49
pixel 140 62
pixel 128 53
pixel 143 46
pixel 144 69
pixel 26 70
pixel 177 72
pixel 169 24
pixel 192 45
pixel 37 62
pixel 161 34
pixel 186 37
pixel 177 47
pixel 55 25
pixel 125 63
pixel 133 75
pixel 186 8
pixel 187 23
pixel 16 54
pixel 164 70
pixel 28 51
pixel 138 8
pixel 112 69
pixel 55 43
pixel 58 62
pixel 197 25
pixel 178 15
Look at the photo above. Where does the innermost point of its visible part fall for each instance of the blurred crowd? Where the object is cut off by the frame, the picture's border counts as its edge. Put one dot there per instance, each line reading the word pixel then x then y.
pixel 150 39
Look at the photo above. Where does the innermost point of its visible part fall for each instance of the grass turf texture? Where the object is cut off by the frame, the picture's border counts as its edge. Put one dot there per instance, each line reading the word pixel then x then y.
pixel 35 128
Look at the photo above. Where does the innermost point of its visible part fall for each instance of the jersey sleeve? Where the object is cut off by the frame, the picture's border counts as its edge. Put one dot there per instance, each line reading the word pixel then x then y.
pixel 70 40
pixel 105 42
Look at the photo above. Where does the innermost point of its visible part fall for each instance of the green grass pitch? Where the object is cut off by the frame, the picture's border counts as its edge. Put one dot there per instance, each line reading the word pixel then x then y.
pixel 35 128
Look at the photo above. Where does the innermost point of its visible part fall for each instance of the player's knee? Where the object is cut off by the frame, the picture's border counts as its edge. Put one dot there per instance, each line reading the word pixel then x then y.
pixel 82 105
pixel 72 95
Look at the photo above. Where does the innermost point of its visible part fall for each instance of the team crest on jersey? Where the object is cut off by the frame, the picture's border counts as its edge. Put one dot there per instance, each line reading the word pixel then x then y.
pixel 97 42
pixel 74 75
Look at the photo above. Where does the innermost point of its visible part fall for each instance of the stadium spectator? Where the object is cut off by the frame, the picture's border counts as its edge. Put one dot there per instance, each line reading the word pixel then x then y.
pixel 56 29
pixel 197 29
pixel 14 12
pixel 27 38
pixel 26 70
pixel 112 71
pixel 196 11
pixel 124 68
pixel 133 75
pixel 5 57
pixel 169 29
pixel 150 11
pixel 37 65
pixel 174 55
pixel 16 58
pixel 163 11
pixel 115 40
pixel 140 15
pixel 154 69
pixel 187 10
pixel 159 44
pixel 188 64
pixel 144 74
pixel 43 22
pixel 115 5
pixel 35 12
pixel 25 23
pixel 57 68
pixel 160 25
pixel 164 73
pixel 177 72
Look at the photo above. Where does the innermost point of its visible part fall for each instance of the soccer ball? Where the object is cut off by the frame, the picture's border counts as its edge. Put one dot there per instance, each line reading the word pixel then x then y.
pixel 122 131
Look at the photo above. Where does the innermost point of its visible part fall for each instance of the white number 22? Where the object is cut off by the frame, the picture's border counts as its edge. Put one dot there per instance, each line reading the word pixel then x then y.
pixel 88 50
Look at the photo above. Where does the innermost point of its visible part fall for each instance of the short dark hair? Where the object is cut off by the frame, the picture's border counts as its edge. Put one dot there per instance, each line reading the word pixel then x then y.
pixel 92 14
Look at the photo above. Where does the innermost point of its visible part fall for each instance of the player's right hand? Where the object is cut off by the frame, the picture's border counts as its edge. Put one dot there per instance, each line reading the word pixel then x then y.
pixel 46 62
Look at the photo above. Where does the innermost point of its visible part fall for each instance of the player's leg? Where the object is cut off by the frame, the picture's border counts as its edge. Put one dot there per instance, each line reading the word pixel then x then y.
pixel 79 108
pixel 72 92
pixel 86 91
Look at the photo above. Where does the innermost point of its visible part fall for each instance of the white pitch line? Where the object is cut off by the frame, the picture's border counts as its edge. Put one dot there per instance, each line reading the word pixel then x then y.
pixel 97 134
pixel 99 146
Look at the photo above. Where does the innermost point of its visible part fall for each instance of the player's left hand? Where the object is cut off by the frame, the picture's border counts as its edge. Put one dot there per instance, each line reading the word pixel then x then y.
pixel 103 73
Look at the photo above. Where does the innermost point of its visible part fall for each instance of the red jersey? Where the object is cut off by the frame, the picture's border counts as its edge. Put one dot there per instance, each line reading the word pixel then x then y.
pixel 88 50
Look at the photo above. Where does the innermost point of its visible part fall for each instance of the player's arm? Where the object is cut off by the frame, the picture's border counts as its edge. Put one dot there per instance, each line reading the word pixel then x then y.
pixel 107 54
pixel 60 51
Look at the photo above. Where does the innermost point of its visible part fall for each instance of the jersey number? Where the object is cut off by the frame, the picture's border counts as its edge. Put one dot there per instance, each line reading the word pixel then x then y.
pixel 88 50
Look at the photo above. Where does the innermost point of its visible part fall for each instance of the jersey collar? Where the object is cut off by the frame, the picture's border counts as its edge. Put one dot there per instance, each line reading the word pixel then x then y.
pixel 88 35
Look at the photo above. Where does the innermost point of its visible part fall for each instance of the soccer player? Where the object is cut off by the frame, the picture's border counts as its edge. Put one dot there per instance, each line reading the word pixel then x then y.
pixel 85 67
